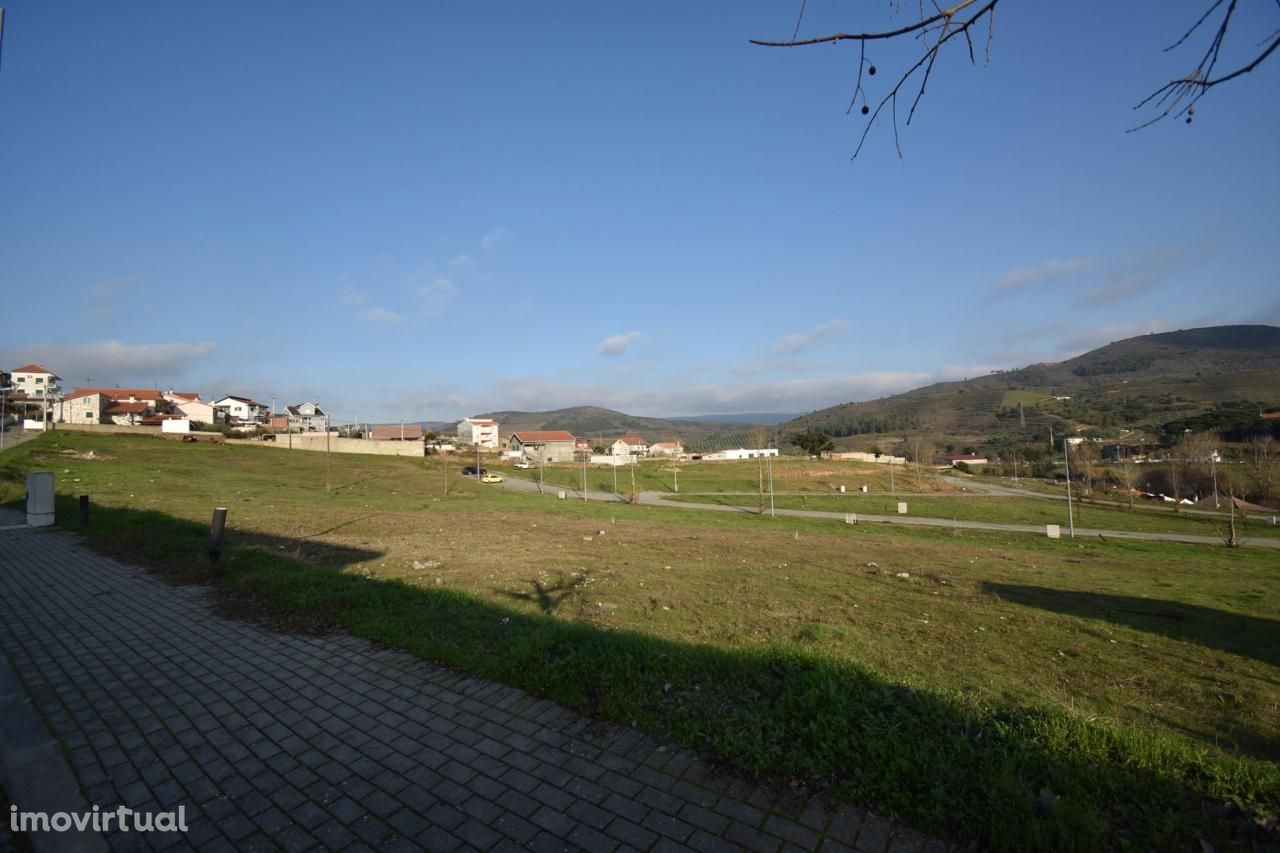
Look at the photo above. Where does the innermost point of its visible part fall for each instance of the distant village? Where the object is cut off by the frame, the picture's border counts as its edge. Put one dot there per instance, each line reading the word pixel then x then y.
pixel 32 399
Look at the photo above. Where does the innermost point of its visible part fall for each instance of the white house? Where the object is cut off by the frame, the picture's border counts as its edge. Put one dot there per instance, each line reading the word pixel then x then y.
pixel 195 410
pixel 478 432
pixel 36 381
pixel 241 409
pixel 666 448
pixel 630 445
pixel 740 453
pixel 307 417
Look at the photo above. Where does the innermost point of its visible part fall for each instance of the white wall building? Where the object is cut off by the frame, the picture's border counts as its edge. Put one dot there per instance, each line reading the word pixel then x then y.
pixel 740 453
pixel 242 409
pixel 195 410
pixel 630 445
pixel 478 432
pixel 36 381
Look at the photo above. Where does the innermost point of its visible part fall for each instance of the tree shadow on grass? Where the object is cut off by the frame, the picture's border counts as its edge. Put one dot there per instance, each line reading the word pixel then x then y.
pixel 1247 636
pixel 1012 778
pixel 549 597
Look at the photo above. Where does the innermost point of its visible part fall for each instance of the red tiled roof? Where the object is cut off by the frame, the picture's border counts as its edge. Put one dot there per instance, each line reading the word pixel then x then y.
pixel 667 444
pixel 539 436
pixel 80 392
pixel 33 368
pixel 634 440
pixel 127 408
pixel 122 393
pixel 412 432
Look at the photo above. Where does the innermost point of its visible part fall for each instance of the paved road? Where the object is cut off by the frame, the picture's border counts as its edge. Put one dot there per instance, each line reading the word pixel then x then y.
pixel 659 499
pixel 277 741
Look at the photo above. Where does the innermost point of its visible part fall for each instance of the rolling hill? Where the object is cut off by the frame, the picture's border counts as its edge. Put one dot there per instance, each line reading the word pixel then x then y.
pixel 1136 384
pixel 602 426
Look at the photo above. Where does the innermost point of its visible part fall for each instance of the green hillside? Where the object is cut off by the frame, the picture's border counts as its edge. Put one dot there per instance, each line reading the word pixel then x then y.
pixel 1136 384
pixel 602 426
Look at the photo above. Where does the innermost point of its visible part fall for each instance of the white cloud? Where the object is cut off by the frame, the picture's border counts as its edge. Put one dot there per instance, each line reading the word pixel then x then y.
pixel 799 341
pixel 493 238
pixel 112 362
pixel 380 315
pixel 1051 270
pixel 617 344
pixel 437 295
pixel 461 261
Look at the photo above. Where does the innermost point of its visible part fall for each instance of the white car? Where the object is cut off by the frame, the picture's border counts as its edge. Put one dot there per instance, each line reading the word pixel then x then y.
pixel 521 465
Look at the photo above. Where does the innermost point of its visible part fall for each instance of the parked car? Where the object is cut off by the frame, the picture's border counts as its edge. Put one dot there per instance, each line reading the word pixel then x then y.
pixel 491 478
pixel 522 465
pixel 470 471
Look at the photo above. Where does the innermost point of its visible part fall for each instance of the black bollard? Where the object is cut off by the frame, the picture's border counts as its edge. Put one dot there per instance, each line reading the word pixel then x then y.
pixel 216 527
pixel 84 510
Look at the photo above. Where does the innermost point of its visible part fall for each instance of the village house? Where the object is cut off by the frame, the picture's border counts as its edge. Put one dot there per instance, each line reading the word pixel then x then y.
pixel 305 417
pixel 478 432
pixel 666 448
pixel 966 458
pixel 82 406
pixel 630 445
pixel 35 381
pixel 544 445
pixel 242 410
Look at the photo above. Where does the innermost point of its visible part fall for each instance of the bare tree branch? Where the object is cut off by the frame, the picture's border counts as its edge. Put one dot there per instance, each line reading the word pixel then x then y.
pixel 888 34
pixel 1182 93
pixel 1176 98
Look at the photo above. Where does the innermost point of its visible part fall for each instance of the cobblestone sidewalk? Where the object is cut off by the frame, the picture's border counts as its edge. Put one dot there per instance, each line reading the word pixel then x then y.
pixel 276 741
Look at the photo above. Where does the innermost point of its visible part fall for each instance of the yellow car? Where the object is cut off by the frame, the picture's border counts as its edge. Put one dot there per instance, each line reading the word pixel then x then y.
pixel 491 478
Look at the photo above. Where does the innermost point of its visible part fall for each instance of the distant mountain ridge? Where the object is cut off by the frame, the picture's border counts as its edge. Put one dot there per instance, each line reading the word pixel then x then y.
pixel 762 418
pixel 602 426
pixel 1138 382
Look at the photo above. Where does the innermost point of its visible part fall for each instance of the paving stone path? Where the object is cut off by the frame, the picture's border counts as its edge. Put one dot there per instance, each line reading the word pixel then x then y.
pixel 279 741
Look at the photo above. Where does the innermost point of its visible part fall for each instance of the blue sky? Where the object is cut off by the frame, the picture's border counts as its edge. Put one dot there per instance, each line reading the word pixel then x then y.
pixel 424 210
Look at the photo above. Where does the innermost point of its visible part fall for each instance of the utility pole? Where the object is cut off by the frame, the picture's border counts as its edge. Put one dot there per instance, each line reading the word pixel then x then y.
pixel 477 463
pixel 1066 460
pixel 772 511
pixel 614 466
pixel 1015 467
pixel 1022 416
pixel 327 481
pixel 1213 466
pixel 584 473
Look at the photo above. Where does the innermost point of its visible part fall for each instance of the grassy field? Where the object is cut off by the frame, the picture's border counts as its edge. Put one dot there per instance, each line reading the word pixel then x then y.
pixel 1007 510
pixel 1026 693
pixel 789 475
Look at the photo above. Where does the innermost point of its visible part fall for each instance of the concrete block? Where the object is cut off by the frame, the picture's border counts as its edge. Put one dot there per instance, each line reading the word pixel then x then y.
pixel 902 507
pixel 40 498
pixel 1053 531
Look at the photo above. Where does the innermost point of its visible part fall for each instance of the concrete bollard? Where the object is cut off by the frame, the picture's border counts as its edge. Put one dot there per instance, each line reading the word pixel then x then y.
pixel 1053 531
pixel 902 507
pixel 40 498
pixel 561 495
pixel 842 490
pixel 216 528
